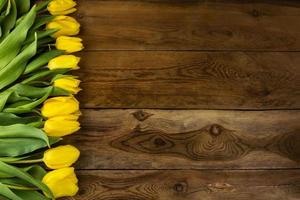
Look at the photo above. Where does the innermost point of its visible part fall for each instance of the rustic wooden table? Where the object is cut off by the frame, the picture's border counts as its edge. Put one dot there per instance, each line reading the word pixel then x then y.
pixel 189 100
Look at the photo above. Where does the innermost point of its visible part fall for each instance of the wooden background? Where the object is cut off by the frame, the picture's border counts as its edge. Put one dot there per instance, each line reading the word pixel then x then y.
pixel 189 100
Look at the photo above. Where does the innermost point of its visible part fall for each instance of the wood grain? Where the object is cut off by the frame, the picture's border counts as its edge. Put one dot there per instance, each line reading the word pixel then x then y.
pixel 189 184
pixel 188 139
pixel 202 80
pixel 193 54
pixel 190 25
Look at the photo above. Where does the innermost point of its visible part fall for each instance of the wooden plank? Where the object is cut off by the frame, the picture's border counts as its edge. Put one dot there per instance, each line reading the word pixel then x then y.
pixel 200 80
pixel 193 139
pixel 190 25
pixel 189 184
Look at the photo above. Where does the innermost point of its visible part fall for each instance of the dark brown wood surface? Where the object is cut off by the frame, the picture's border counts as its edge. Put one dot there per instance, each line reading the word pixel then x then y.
pixel 190 25
pixel 213 96
pixel 189 185
pixel 188 139
pixel 205 80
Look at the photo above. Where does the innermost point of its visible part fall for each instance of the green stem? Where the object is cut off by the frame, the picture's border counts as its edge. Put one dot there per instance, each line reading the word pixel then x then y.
pixel 27 161
pixel 15 187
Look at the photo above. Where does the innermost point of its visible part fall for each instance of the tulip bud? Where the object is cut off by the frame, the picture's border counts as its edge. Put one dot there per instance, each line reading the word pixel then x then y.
pixel 62 125
pixel 62 182
pixel 61 156
pixel 61 7
pixel 69 44
pixel 58 106
pixel 66 26
pixel 68 83
pixel 64 62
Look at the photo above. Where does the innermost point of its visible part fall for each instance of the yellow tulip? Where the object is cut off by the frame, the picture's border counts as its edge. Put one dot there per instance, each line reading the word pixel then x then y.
pixel 61 156
pixel 68 83
pixel 69 44
pixel 62 182
pixel 61 7
pixel 62 125
pixel 66 25
pixel 64 61
pixel 58 106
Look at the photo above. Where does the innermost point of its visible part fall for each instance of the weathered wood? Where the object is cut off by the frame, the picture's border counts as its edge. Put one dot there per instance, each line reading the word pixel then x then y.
pixel 189 185
pixel 208 80
pixel 190 25
pixel 222 72
pixel 193 139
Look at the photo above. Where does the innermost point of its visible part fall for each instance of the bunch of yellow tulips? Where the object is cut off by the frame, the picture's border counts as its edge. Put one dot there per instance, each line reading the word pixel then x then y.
pixel 37 103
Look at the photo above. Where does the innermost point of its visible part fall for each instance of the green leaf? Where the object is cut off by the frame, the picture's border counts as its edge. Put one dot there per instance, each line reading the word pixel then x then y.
pixel 42 5
pixel 23 6
pixel 14 97
pixel 2 4
pixel 11 160
pixel 10 20
pixel 7 119
pixel 16 183
pixel 6 192
pixel 45 42
pixel 15 68
pixel 31 169
pixel 39 22
pixel 11 45
pixel 7 10
pixel 36 171
pixel 13 147
pixel 30 91
pixel 42 60
pixel 21 159
pixel 22 131
pixel 28 107
pixel 30 195
pixel 19 139
pixel 14 171
pixel 45 74
pixel 4 97
pixel 36 76
pixel 40 35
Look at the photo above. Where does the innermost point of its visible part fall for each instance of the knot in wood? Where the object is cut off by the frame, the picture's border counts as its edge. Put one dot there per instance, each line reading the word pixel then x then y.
pixel 215 130
pixel 180 187
pixel 255 13
pixel 141 115
pixel 159 142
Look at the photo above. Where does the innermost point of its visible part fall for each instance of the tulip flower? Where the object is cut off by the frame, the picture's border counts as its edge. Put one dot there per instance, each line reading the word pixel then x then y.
pixel 62 182
pixel 69 44
pixel 58 106
pixel 62 125
pixel 66 26
pixel 68 83
pixel 61 7
pixel 64 61
pixel 61 156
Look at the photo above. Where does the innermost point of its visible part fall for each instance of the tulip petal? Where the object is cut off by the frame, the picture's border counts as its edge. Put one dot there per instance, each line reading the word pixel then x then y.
pixel 61 156
pixel 58 106
pixel 62 182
